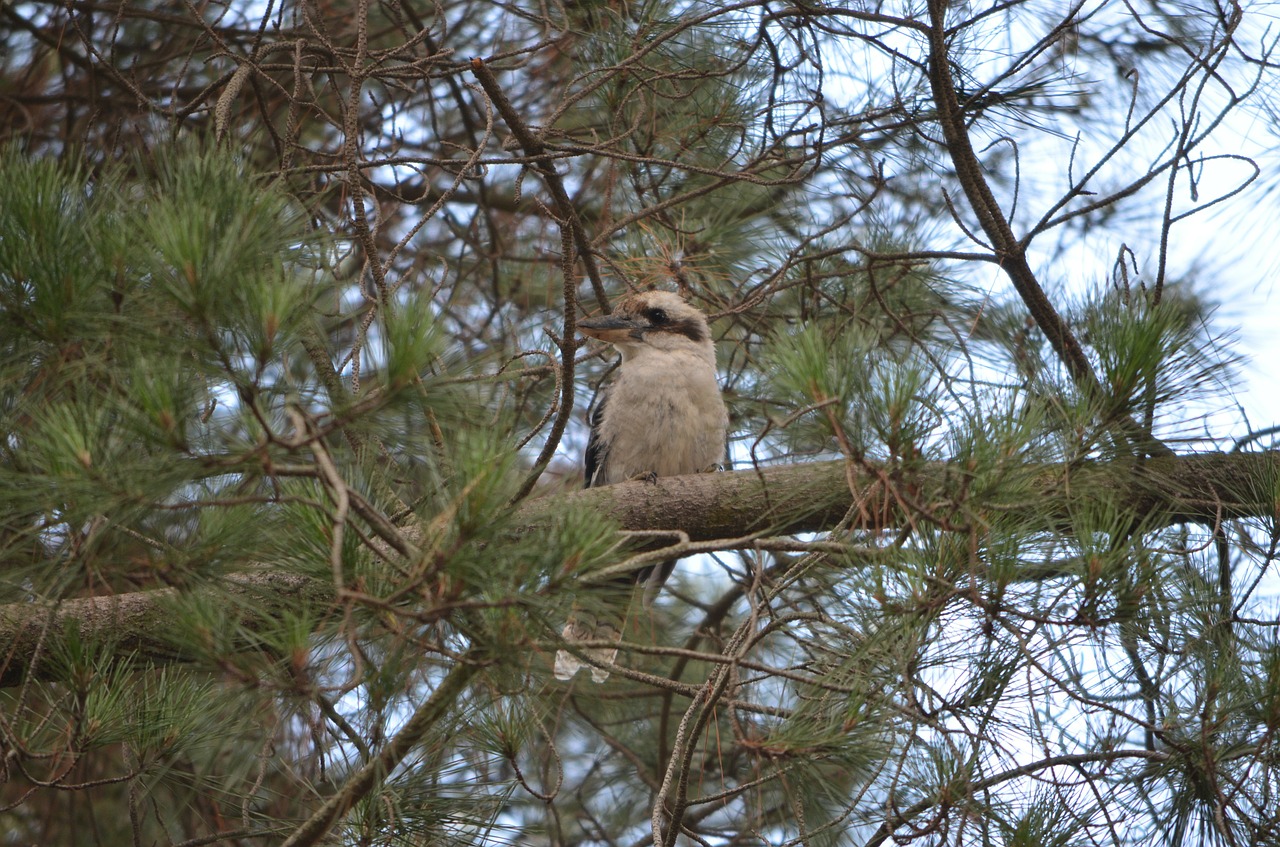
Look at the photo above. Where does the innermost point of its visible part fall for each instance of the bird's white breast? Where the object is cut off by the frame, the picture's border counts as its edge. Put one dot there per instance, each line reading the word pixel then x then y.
pixel 664 415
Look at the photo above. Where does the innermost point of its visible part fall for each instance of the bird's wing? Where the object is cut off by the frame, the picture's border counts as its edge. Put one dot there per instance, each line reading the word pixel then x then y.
pixel 597 450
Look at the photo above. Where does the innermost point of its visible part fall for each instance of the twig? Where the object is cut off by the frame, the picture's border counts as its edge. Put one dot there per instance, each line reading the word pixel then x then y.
pixel 545 166
pixel 1009 250
pixel 375 771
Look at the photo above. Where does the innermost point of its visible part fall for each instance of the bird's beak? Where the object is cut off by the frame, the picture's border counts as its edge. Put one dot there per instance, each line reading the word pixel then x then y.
pixel 612 328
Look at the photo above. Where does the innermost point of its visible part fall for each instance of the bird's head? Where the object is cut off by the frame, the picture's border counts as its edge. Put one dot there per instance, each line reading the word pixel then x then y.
pixel 652 320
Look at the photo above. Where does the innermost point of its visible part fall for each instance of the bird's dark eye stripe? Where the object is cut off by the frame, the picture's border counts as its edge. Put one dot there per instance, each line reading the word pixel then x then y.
pixel 691 328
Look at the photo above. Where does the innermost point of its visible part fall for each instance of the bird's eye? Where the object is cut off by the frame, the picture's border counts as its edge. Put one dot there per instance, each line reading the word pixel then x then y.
pixel 656 316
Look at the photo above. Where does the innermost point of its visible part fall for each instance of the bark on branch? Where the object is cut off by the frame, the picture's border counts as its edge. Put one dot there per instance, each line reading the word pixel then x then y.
pixel 1204 488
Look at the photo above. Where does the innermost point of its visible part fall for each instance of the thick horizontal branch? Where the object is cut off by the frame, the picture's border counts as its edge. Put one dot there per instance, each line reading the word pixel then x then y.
pixel 1154 493
pixel 1204 488
pixel 135 624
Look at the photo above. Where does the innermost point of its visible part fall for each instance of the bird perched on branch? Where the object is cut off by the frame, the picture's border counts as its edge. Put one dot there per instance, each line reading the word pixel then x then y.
pixel 662 415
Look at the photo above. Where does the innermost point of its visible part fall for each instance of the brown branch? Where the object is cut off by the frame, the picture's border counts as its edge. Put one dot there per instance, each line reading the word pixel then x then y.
pixel 135 623
pixel 1200 488
pixel 568 345
pixel 1077 761
pixel 1160 492
pixel 1009 250
pixel 441 703
pixel 533 147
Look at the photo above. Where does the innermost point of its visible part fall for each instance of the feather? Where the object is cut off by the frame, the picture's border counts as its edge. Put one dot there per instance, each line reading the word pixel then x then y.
pixel 597 451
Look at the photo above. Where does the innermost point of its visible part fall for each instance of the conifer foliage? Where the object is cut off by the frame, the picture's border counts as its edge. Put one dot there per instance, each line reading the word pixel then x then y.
pixel 293 405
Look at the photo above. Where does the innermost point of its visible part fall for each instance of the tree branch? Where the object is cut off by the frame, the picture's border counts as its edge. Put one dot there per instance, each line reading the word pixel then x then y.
pixel 1205 488
pixel 1168 490
pixel 374 772
pixel 533 147
pixel 135 624
pixel 1009 250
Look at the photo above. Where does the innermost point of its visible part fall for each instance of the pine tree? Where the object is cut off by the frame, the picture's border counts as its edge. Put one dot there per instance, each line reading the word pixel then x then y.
pixel 294 405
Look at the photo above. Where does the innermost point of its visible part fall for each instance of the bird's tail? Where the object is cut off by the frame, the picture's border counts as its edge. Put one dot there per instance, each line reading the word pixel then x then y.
pixel 587 625
pixel 653 580
pixel 604 623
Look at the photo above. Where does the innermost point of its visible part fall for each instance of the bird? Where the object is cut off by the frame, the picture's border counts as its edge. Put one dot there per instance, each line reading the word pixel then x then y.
pixel 662 415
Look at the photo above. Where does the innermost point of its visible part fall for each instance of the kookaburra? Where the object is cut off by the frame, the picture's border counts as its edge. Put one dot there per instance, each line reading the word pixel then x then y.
pixel 662 415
